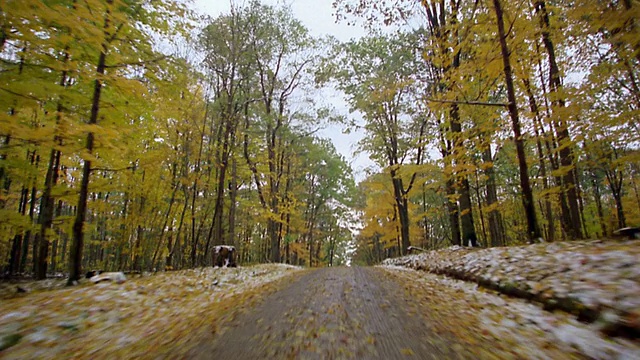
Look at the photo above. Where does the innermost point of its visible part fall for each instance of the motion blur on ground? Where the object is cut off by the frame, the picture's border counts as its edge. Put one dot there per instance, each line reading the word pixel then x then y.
pixel 165 173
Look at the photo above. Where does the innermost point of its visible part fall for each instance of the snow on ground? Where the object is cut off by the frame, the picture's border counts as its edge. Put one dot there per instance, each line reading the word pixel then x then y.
pixel 157 312
pixel 596 279
pixel 522 328
pixel 165 312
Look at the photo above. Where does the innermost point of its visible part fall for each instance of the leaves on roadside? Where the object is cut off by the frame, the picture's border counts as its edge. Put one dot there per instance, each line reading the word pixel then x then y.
pixel 143 317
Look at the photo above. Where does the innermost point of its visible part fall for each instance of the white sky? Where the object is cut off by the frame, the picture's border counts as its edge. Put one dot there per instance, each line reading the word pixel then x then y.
pixel 317 16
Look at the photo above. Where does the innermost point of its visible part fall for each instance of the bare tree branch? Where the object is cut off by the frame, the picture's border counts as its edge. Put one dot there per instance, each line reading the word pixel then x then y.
pixel 137 63
pixel 481 103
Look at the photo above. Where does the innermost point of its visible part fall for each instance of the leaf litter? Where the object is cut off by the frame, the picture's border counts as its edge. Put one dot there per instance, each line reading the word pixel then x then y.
pixel 161 316
pixel 144 317
pixel 598 282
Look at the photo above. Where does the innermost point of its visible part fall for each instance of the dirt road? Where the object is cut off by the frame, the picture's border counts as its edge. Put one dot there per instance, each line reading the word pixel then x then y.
pixel 332 313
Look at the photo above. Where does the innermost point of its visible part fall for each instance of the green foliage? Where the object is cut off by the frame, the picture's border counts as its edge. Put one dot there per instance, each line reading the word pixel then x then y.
pixel 186 156
pixel 582 129
pixel 191 155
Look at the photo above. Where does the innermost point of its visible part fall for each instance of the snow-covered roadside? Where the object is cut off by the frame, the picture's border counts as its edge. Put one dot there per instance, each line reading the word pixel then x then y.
pixel 140 318
pixel 597 280
pixel 515 328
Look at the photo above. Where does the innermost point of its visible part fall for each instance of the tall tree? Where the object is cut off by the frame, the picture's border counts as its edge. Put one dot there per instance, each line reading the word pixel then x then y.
pixel 447 23
pixel 378 75
pixel 533 228
pixel 573 225
pixel 279 45
pixel 118 29
pixel 229 61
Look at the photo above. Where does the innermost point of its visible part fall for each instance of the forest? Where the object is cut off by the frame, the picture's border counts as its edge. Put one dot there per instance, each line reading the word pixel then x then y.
pixel 136 135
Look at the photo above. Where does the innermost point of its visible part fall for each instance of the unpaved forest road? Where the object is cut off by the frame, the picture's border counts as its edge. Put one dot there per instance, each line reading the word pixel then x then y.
pixel 331 313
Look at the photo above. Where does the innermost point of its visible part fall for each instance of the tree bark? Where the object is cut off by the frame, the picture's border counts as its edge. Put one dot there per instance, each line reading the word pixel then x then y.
pixel 18 251
pixel 569 184
pixel 47 202
pixel 543 168
pixel 496 226
pixel 233 194
pixel 485 241
pixel 45 217
pixel 174 184
pixel 469 237
pixel 598 198
pixel 402 205
pixel 27 235
pixel 176 248
pixel 454 213
pixel 5 181
pixel 16 247
pixel 77 245
pixel 274 189
pixel 615 185
pixel 225 137
pixel 533 229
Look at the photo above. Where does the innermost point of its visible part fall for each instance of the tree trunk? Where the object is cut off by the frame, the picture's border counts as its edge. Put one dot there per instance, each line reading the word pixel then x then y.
pixel 287 243
pixel 311 230
pixel 5 181
pixel 45 216
pixel 47 202
pixel 425 223
pixel 585 231
pixel 469 237
pixel 543 168
pixel 77 245
pixel 176 249
pixel 195 237
pixel 274 203
pixel 224 135
pixel 496 226
pixel 615 184
pixel 550 147
pixel 598 198
pixel 479 201
pixel 453 210
pixel 332 245
pixel 533 230
pixel 56 243
pixel 622 221
pixel 27 235
pixel 16 246
pixel 233 194
pixel 174 184
pixel 137 246
pixel 402 205
pixel 569 184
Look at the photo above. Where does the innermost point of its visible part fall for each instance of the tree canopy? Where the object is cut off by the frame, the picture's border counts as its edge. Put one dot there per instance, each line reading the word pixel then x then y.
pixel 122 151
pixel 139 135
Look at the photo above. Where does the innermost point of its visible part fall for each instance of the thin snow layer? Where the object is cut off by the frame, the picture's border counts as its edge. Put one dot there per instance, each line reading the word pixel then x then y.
pixel 135 319
pixel 603 276
pixel 530 331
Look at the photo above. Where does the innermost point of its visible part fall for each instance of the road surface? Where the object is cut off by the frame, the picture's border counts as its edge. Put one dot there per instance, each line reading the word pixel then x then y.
pixel 332 313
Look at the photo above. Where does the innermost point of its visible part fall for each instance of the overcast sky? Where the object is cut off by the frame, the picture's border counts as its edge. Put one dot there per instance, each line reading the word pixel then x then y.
pixel 317 16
